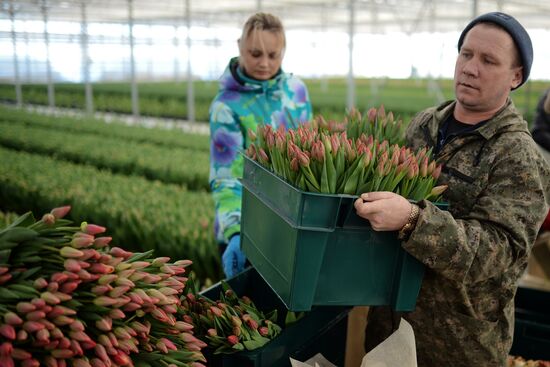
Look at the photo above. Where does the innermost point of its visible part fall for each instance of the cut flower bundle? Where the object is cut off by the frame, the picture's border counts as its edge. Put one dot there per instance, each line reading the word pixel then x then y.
pixel 360 154
pixel 70 298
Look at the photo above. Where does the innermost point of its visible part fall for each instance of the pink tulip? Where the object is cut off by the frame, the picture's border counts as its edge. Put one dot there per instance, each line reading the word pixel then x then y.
pixel 117 314
pixel 11 318
pixel 233 339
pixel 96 362
pixel 81 242
pixel 35 315
pixel 25 307
pixel 48 219
pixel 104 301
pixel 32 326
pixel 92 229
pixel 22 335
pixel 40 283
pixel 30 363
pixel 62 353
pixel 117 251
pixel 100 242
pixel 104 324
pixel 69 287
pixel 8 331
pixel 101 268
pixel 61 211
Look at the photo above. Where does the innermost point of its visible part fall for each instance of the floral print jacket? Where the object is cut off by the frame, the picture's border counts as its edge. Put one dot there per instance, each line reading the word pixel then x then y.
pixel 241 104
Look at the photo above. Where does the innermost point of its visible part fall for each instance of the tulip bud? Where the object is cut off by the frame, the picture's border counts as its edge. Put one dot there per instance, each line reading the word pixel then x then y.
pixel 31 362
pixel 8 331
pixel 60 212
pixel 48 219
pixel 91 229
pixel 233 339
pixel 118 252
pixel 100 242
pixel 11 318
pixel 25 307
pixel 70 252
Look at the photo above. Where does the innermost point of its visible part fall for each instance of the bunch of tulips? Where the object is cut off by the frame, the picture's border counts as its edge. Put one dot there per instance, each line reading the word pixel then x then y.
pixel 231 323
pixel 69 298
pixel 355 156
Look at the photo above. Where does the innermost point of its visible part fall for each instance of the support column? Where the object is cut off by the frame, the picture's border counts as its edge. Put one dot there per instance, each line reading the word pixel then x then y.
pixel 190 89
pixel 17 81
pixel 84 39
pixel 51 90
pixel 351 80
pixel 135 95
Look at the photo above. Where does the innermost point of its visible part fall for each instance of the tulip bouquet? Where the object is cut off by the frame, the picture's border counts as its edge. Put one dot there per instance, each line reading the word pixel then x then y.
pixel 68 298
pixel 360 154
pixel 230 324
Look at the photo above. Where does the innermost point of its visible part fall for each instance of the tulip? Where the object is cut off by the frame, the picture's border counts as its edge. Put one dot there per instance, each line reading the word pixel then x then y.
pixel 70 252
pixel 60 212
pixel 11 318
pixel 48 219
pixel 100 242
pixel 91 229
pixel 31 362
pixel 233 339
pixel 8 331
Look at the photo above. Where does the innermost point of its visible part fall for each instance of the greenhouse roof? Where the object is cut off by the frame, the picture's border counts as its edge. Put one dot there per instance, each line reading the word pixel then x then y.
pixel 370 16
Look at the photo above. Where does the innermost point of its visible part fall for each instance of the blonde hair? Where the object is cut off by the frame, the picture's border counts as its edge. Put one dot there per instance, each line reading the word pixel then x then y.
pixel 263 22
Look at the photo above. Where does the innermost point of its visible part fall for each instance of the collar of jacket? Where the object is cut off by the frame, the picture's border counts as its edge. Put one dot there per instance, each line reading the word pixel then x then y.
pixel 506 119
pixel 234 79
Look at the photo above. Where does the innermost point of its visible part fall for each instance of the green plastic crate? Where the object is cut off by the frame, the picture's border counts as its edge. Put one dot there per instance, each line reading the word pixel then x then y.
pixel 532 324
pixel 313 249
pixel 322 330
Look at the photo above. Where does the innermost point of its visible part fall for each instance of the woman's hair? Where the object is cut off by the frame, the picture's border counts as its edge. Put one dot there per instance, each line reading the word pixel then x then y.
pixel 263 22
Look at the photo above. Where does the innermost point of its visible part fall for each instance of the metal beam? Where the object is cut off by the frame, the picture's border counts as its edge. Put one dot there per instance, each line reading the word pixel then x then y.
pixel 17 81
pixel 135 92
pixel 86 60
pixel 51 90
pixel 190 89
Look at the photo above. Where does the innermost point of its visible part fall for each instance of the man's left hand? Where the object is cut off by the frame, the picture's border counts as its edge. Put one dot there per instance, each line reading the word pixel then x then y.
pixel 386 211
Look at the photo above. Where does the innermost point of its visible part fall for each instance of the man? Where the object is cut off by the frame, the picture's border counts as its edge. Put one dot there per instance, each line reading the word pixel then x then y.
pixel 541 130
pixel 497 190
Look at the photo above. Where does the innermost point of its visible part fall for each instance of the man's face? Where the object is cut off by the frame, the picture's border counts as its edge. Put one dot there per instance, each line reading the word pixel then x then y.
pixel 486 69
pixel 261 54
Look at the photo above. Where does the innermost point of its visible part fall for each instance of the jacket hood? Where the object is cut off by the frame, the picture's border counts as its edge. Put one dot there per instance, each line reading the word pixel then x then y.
pixel 233 79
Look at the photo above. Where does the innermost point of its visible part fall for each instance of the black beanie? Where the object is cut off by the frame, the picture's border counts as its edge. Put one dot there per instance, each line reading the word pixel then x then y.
pixel 515 29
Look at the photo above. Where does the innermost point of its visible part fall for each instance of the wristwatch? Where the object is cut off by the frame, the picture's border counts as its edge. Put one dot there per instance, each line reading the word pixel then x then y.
pixel 406 230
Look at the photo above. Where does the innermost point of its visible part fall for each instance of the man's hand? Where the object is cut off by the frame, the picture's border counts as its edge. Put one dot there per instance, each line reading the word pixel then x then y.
pixel 386 211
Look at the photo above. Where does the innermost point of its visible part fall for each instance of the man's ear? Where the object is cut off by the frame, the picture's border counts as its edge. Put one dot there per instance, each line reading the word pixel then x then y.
pixel 518 76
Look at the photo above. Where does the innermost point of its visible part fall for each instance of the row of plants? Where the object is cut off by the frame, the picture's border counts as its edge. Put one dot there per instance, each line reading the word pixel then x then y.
pixel 144 214
pixel 171 165
pixel 168 99
pixel 71 296
pixel 172 138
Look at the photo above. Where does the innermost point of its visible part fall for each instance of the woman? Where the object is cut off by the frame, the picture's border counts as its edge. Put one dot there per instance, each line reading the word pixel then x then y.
pixel 253 90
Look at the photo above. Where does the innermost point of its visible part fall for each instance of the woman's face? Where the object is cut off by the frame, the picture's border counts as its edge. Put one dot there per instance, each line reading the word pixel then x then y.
pixel 261 54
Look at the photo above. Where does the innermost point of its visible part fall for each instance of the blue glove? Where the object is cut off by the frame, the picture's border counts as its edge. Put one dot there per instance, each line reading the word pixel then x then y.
pixel 233 258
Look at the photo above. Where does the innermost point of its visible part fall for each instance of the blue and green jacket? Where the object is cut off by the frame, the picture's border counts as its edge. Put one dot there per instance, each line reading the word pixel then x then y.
pixel 241 104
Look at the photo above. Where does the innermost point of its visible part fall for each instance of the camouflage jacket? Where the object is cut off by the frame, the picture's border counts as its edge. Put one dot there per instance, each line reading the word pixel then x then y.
pixel 475 252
